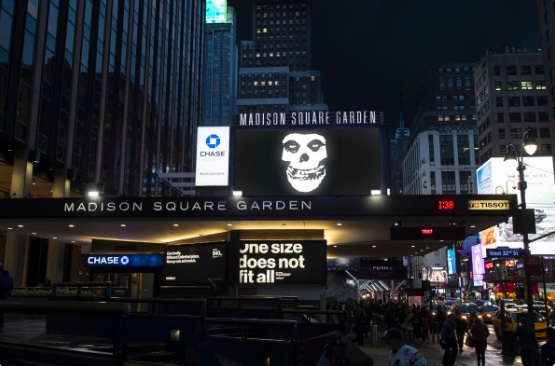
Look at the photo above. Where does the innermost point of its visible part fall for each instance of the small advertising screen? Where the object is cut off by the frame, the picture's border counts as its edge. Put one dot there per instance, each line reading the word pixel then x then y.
pixel 277 262
pixel 193 264
pixel 212 167
pixel 308 161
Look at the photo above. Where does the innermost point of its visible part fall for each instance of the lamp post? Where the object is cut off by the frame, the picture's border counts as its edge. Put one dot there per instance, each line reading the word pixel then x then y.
pixel 515 153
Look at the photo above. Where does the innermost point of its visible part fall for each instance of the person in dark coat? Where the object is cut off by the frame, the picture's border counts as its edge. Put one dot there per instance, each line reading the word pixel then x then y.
pixel 6 288
pixel 548 349
pixel 526 335
pixel 448 341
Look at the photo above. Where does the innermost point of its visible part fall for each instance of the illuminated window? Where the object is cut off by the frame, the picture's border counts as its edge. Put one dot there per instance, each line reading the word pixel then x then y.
pixel 312 78
pixel 265 30
pixel 526 85
pixel 497 85
pixel 440 118
pixel 540 85
pixel 270 82
pixel 256 83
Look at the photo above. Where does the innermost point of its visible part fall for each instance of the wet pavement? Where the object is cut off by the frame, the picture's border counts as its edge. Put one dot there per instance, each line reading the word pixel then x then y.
pixel 433 353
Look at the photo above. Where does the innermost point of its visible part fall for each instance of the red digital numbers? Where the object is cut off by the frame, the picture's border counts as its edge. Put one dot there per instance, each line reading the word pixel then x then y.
pixel 445 205
pixel 427 231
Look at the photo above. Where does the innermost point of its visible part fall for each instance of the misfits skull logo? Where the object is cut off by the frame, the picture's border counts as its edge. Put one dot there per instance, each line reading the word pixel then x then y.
pixel 306 155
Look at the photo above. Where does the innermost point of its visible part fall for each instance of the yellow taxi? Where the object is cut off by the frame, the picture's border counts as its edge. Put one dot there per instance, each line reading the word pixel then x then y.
pixel 512 319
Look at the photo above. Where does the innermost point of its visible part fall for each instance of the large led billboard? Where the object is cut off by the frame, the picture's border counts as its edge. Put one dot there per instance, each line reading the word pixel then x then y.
pixel 496 176
pixel 277 262
pixel 193 264
pixel 322 161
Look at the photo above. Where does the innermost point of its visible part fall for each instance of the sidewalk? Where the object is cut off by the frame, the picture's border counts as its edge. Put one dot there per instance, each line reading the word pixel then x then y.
pixel 433 353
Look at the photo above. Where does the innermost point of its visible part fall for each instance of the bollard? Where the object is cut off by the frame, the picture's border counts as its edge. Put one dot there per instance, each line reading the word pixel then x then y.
pixel 374 335
pixel 508 344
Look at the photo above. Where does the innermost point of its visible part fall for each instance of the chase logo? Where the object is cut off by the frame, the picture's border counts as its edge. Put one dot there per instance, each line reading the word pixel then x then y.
pixel 213 141
pixel 124 260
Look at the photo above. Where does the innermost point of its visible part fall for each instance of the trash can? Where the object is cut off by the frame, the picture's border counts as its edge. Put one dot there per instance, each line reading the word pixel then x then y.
pixel 374 335
pixel 508 343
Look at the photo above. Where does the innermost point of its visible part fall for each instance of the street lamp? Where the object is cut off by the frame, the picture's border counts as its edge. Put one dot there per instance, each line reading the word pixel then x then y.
pixel 515 154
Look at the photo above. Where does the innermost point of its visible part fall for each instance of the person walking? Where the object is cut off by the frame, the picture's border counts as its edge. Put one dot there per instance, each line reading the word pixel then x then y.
pixel 402 354
pixel 6 288
pixel 462 329
pixel 548 349
pixel 479 333
pixel 448 341
pixel 526 336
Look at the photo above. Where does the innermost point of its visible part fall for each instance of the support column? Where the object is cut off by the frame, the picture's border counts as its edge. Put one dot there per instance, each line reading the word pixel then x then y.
pixel 56 249
pixel 15 254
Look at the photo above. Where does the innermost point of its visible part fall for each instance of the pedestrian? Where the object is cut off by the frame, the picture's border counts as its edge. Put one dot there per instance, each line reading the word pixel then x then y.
pixel 551 317
pixel 462 329
pixel 425 322
pixel 335 353
pixel 402 354
pixel 6 288
pixel 526 336
pixel 448 341
pixel 548 349
pixel 479 333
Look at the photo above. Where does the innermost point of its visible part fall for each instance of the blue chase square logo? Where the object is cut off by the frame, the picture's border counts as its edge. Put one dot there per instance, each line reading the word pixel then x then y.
pixel 213 141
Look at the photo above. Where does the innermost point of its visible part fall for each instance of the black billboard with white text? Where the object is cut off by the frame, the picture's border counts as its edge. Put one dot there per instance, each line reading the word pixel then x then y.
pixel 277 262
pixel 193 264
pixel 323 161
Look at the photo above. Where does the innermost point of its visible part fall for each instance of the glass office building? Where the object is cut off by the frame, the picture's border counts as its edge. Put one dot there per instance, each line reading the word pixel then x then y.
pixel 101 91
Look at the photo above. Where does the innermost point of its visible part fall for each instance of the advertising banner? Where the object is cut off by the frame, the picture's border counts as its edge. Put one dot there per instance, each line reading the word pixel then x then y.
pixel 125 260
pixel 277 262
pixel 451 263
pixel 499 177
pixel 321 161
pixel 478 269
pixel 212 159
pixel 193 264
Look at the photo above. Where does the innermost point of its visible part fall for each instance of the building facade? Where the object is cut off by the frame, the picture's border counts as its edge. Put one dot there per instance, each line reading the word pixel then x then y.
pixel 94 93
pixel 275 74
pixel 511 96
pixel 220 66
pixel 547 23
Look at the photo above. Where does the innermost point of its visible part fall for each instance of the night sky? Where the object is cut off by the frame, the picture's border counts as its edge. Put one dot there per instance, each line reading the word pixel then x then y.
pixel 369 51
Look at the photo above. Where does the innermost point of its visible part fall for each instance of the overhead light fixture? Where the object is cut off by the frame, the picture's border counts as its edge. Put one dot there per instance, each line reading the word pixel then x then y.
pixel 176 225
pixel 339 224
pixel 229 225
pixel 123 225
pixel 237 193
pixel 71 225
pixel 19 226
pixel 93 194
pixel 375 192
pixel 397 223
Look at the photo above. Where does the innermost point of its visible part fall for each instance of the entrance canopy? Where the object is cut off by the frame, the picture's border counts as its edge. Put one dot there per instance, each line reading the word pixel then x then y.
pixel 354 226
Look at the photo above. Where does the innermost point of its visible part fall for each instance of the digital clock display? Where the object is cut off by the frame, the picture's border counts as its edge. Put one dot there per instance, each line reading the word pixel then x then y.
pixel 445 205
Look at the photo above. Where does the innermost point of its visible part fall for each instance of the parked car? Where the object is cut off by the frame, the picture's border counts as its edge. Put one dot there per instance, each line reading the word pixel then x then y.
pixel 488 312
pixel 539 214
pixel 512 320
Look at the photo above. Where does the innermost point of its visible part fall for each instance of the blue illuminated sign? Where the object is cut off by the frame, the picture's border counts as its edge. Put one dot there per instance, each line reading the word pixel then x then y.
pixel 451 264
pixel 126 260
pixel 504 253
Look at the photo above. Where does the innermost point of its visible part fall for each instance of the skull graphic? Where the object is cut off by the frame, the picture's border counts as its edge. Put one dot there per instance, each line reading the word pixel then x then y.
pixel 306 155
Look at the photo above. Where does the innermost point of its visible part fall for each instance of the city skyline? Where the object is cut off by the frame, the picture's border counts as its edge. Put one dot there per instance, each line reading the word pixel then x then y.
pixel 396 61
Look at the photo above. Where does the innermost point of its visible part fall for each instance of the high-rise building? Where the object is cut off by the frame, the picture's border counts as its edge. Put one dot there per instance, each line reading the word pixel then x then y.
pixel 442 153
pixel 101 93
pixel 547 31
pixel 511 96
pixel 221 65
pixel 107 92
pixel 275 72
